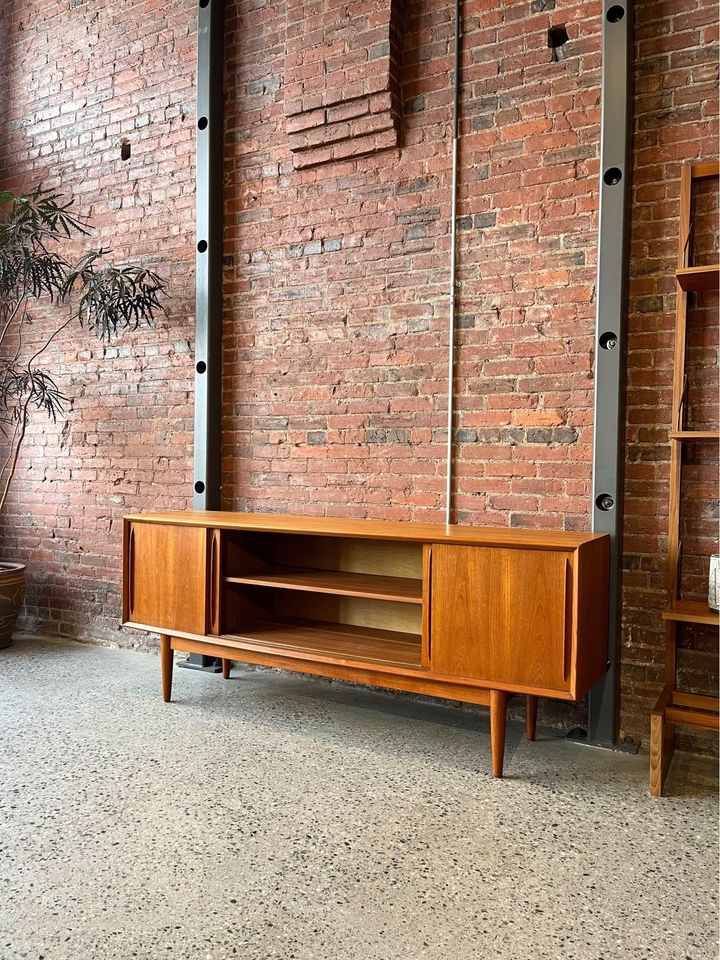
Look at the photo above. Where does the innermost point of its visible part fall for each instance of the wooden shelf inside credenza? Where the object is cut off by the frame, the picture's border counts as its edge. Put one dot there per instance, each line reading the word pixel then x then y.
pixel 337 640
pixel 337 582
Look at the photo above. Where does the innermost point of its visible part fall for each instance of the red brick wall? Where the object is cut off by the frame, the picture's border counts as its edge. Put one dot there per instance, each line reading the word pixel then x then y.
pixel 336 285
pixel 675 120
pixel 336 321
pixel 78 80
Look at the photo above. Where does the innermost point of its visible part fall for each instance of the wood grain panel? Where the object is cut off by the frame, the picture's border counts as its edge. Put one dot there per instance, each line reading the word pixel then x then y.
pixel 501 615
pixel 241 604
pixel 695 718
pixel 245 552
pixel 692 611
pixel 214 581
pixel 384 557
pixel 167 582
pixel 389 677
pixel 374 529
pixel 591 574
pixel 699 278
pixel 426 584
pixel 343 643
pixel 357 611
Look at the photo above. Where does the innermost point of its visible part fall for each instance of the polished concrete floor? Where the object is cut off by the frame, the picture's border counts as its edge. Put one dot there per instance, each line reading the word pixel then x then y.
pixel 272 817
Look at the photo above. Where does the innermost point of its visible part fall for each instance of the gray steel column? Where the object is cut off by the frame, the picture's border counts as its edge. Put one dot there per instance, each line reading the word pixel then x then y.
pixel 208 262
pixel 208 270
pixel 611 293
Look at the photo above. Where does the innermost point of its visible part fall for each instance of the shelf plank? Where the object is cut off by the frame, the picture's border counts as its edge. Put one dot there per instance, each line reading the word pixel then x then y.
pixel 337 582
pixel 693 718
pixel 691 611
pixel 696 701
pixel 699 171
pixel 695 435
pixel 691 709
pixel 699 278
pixel 341 642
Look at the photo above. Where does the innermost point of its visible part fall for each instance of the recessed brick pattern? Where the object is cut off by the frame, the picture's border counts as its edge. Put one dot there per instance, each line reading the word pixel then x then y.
pixel 342 79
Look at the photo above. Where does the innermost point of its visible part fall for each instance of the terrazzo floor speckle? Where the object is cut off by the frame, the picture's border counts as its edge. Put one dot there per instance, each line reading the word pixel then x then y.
pixel 273 817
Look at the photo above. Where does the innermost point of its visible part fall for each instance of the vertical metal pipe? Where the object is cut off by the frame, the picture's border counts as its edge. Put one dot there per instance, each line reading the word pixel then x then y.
pixel 453 265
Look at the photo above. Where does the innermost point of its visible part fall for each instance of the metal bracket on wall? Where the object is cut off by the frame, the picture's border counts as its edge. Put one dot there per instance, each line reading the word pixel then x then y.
pixel 610 348
pixel 208 268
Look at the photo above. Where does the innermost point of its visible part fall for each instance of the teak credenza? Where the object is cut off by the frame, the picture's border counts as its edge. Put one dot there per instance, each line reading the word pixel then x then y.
pixel 465 613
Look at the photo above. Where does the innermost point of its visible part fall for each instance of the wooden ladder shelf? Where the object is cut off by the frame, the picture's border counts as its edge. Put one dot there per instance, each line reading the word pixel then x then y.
pixel 675 707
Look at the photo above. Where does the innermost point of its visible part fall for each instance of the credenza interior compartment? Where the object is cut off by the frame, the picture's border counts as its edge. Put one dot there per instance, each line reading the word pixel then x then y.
pixel 372 568
pixel 332 596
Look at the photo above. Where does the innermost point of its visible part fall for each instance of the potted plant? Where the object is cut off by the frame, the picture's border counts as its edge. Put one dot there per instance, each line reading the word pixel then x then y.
pixel 103 298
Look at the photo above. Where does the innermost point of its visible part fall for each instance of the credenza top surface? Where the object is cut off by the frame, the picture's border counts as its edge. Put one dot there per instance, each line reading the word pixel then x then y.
pixel 373 529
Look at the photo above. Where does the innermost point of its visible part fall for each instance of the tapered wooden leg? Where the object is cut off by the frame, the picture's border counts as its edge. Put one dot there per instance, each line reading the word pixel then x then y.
pixel 658 755
pixel 226 668
pixel 166 666
pixel 662 742
pixel 531 704
pixel 498 716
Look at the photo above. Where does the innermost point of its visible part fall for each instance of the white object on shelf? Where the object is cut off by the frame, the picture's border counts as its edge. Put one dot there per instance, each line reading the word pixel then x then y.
pixel 713 585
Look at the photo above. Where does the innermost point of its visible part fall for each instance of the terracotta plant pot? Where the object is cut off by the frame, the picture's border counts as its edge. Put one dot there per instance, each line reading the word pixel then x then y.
pixel 12 594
